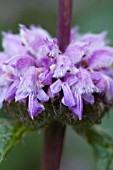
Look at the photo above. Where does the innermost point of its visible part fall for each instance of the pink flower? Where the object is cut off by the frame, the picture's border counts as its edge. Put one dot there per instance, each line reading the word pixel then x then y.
pixel 32 67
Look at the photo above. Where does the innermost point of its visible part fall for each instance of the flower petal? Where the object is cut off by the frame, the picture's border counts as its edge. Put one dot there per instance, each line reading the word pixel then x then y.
pixel 88 97
pixel 12 44
pixel 45 78
pixel 12 90
pixel 68 98
pixel 99 80
pixel 3 57
pixel 33 38
pixel 94 38
pixel 71 79
pixel 78 108
pixel 75 51
pixel 29 83
pixel 102 58
pixel 85 83
pixel 63 66
pixel 20 63
pixel 42 96
pixel 56 86
pixel 34 107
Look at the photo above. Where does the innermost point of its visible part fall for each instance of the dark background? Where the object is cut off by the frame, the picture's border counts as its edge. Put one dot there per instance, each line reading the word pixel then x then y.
pixel 91 16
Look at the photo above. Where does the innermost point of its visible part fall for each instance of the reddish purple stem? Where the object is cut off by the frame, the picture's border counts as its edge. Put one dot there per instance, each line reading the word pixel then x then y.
pixel 54 135
pixel 64 23
pixel 53 144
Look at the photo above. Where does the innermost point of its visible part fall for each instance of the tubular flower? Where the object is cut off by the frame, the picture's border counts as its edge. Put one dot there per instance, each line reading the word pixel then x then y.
pixel 35 71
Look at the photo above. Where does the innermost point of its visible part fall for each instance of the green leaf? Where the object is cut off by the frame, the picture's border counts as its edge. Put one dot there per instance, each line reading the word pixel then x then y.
pixel 10 133
pixel 102 143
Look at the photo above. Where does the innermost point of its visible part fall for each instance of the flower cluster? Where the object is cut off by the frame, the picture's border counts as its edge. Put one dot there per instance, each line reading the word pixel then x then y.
pixel 33 70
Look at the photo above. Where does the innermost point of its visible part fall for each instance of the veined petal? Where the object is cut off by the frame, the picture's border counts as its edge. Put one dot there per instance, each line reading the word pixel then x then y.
pixel 3 57
pixel 102 58
pixel 21 94
pixel 94 42
pixel 20 63
pixel 39 31
pixel 107 71
pixel 12 90
pixel 85 83
pixel 47 53
pixel 71 79
pixel 29 83
pixel 75 51
pixel 45 78
pixel 52 45
pixel 34 107
pixel 78 108
pixel 88 98
pixel 99 80
pixel 94 38
pixel 56 86
pixel 12 44
pixel 33 38
pixel 42 96
pixel 68 98
pixel 104 83
pixel 95 76
pixel 63 66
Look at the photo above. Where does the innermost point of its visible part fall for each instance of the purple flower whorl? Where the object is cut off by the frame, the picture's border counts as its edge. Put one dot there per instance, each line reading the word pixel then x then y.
pixel 34 71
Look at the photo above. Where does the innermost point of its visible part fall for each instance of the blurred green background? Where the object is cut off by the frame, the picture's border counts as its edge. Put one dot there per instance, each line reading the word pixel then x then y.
pixel 89 15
